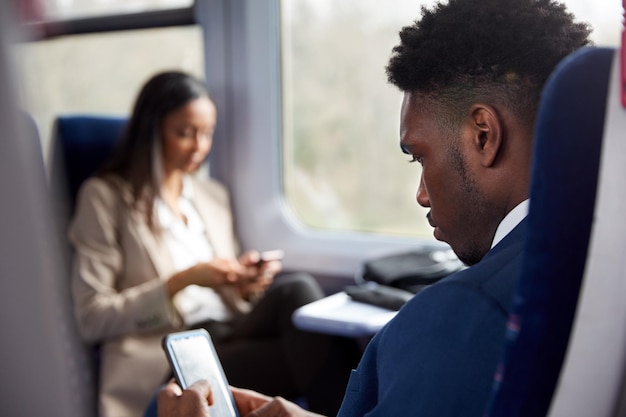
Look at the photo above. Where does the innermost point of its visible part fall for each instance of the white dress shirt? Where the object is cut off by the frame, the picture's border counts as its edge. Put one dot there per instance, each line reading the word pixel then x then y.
pixel 188 245
pixel 509 222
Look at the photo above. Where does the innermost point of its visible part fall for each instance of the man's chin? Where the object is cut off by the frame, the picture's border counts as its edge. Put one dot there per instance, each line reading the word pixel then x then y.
pixel 469 258
pixel 438 235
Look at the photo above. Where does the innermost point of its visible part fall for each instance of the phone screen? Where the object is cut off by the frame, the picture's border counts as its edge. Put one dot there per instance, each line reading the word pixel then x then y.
pixel 192 357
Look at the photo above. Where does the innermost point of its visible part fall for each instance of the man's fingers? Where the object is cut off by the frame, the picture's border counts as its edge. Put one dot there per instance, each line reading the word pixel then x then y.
pixel 194 401
pixel 171 390
pixel 278 407
pixel 203 389
pixel 248 400
pixel 167 399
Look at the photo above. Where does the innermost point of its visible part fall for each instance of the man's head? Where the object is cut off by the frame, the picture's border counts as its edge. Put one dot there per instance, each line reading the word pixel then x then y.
pixel 472 73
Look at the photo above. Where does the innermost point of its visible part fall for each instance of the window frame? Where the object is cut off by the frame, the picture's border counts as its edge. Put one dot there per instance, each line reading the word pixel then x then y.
pixel 243 70
pixel 48 29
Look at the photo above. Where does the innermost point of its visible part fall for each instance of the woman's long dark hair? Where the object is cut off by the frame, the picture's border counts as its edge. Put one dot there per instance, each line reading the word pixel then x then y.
pixel 132 160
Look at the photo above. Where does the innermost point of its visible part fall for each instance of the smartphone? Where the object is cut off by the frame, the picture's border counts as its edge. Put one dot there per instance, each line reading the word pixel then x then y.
pixel 192 357
pixel 271 255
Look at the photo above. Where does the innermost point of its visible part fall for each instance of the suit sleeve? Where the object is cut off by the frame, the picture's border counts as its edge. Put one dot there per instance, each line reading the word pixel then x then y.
pixel 436 358
pixel 101 309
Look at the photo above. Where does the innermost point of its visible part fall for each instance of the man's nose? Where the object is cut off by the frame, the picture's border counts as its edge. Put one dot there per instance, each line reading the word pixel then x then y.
pixel 422 194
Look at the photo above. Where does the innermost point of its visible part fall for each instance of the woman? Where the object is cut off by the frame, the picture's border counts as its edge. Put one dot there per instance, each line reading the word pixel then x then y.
pixel 155 252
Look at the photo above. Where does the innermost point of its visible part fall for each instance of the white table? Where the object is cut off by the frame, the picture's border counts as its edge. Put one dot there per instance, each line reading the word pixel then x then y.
pixel 338 314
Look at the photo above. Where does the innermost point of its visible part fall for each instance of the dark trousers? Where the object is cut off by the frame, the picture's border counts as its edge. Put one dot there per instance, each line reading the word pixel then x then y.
pixel 263 350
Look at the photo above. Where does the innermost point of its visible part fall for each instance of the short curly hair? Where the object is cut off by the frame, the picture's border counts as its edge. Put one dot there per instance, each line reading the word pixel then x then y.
pixel 485 49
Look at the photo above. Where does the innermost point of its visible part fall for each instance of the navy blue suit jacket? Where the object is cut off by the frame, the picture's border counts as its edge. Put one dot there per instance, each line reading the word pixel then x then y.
pixel 438 356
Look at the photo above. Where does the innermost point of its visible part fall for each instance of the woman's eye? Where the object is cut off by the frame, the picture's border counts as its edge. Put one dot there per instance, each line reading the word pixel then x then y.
pixel 187 133
pixel 416 159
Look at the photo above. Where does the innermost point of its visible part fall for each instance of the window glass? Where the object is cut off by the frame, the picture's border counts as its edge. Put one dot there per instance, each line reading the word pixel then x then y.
pixel 342 168
pixel 101 72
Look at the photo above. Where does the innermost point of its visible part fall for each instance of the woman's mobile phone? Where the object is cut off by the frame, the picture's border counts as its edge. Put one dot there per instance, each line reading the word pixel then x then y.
pixel 192 357
pixel 271 255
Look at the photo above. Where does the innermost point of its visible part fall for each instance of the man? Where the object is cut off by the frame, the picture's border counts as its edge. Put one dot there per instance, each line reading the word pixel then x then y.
pixel 471 72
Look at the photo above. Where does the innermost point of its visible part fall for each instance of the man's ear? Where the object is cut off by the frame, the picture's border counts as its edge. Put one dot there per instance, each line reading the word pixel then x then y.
pixel 486 133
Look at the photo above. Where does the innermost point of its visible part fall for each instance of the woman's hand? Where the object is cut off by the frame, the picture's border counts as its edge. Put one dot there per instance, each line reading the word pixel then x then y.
pixel 215 273
pixel 266 271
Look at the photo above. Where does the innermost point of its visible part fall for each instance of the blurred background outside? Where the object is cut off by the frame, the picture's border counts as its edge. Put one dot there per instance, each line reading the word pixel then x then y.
pixel 342 166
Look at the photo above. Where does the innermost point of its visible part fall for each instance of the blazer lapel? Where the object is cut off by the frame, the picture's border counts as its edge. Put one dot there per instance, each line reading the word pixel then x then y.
pixel 218 221
pixel 157 251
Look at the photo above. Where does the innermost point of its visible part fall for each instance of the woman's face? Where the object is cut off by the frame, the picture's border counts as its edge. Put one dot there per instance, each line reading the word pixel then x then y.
pixel 187 134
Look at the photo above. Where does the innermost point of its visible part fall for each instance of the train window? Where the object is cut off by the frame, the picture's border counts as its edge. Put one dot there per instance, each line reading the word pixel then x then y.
pixel 605 19
pixel 341 165
pixel 341 161
pixel 100 72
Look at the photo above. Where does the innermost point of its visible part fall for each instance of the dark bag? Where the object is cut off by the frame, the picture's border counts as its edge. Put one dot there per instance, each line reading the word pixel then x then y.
pixel 412 270
pixel 390 281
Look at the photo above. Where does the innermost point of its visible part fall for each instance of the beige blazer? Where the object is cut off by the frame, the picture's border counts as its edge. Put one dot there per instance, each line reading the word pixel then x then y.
pixel 118 287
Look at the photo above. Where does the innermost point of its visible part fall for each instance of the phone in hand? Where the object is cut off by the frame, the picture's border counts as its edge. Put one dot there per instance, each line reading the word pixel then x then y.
pixel 271 255
pixel 192 357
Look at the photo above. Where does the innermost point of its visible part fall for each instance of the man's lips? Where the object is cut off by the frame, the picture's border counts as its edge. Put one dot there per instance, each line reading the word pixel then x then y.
pixel 430 220
pixel 436 231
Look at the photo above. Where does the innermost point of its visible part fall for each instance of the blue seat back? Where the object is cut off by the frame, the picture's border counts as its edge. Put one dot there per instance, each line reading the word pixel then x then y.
pixel 566 162
pixel 82 144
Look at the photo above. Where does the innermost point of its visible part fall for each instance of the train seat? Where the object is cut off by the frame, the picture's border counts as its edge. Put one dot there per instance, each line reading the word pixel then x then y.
pixel 567 333
pixel 81 144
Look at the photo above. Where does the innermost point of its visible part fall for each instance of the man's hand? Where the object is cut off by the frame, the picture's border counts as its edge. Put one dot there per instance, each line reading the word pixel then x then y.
pixel 253 404
pixel 192 402
pixel 195 402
